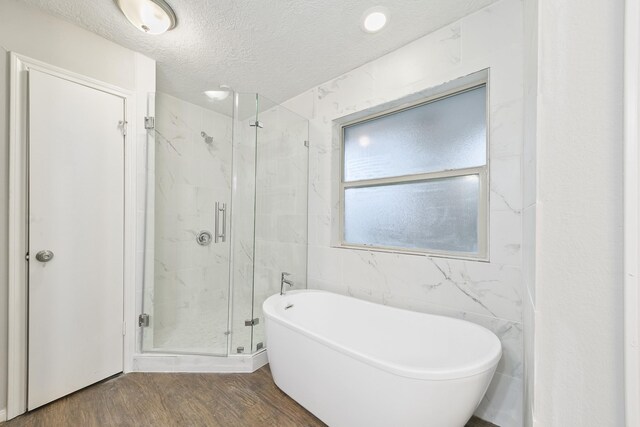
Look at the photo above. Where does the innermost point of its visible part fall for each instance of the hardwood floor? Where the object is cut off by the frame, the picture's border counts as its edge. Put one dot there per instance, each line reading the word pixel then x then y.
pixel 144 399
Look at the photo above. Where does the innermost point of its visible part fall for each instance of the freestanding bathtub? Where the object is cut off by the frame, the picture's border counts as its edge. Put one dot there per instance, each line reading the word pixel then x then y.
pixel 354 363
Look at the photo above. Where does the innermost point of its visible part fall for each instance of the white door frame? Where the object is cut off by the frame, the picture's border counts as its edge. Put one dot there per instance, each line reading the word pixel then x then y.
pixel 632 212
pixel 18 222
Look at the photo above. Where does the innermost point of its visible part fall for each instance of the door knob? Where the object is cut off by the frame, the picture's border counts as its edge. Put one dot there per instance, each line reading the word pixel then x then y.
pixel 44 256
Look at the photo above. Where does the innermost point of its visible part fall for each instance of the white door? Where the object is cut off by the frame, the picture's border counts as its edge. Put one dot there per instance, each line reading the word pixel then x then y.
pixel 76 207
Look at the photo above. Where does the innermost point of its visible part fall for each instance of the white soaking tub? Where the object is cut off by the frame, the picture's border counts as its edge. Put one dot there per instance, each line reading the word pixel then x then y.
pixel 354 363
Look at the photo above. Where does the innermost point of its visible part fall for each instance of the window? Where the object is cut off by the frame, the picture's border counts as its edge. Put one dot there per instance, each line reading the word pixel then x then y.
pixel 415 179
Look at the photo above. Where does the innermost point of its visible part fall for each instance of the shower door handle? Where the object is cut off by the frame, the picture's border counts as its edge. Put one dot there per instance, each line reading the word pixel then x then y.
pixel 221 236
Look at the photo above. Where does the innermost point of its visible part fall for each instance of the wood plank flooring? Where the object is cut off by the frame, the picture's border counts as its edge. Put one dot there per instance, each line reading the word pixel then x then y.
pixel 212 400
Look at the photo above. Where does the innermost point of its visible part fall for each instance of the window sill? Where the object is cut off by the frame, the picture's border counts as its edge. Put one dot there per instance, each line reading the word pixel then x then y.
pixel 400 251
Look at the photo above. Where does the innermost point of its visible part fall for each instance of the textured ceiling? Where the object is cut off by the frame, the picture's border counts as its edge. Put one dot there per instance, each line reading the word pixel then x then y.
pixel 276 47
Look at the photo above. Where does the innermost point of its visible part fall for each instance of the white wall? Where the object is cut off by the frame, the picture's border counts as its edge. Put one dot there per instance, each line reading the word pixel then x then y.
pixel 486 293
pixel 27 31
pixel 578 277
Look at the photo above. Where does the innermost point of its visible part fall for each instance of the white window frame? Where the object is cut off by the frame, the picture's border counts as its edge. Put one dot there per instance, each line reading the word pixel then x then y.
pixel 481 171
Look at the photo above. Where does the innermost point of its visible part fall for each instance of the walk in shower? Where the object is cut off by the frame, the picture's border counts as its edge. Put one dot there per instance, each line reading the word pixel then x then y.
pixel 226 214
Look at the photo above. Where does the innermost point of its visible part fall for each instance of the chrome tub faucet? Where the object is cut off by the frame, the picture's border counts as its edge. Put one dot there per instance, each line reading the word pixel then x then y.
pixel 284 281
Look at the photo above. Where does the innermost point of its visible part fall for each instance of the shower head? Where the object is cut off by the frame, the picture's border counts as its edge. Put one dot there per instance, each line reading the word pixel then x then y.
pixel 208 139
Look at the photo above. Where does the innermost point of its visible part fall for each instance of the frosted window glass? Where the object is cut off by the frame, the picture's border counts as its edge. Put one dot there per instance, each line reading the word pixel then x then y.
pixel 440 214
pixel 449 133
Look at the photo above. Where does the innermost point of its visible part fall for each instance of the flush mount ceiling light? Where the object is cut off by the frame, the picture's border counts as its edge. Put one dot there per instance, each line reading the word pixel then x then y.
pixel 220 94
pixel 149 16
pixel 375 19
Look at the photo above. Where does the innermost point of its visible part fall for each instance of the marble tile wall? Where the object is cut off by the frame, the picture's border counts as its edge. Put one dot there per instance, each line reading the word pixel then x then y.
pixel 488 293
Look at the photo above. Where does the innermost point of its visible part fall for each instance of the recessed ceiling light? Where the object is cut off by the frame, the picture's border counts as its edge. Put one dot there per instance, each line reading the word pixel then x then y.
pixel 149 16
pixel 219 94
pixel 375 19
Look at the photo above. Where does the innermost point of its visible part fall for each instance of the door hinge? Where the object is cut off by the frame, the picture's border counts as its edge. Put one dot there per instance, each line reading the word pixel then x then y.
pixel 143 320
pixel 149 122
pixel 123 127
pixel 26 256
pixel 124 328
pixel 252 322
pixel 306 144
pixel 257 124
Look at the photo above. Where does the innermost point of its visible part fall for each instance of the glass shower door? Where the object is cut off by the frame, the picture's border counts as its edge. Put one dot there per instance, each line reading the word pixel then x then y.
pixel 211 263
pixel 270 211
pixel 245 128
pixel 282 170
pixel 186 293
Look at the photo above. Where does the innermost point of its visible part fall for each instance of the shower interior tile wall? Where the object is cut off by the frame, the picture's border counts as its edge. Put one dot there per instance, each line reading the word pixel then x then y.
pixel 487 293
pixel 191 281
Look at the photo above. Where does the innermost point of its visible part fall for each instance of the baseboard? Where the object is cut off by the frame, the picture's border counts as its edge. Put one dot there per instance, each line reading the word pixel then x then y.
pixel 150 362
pixel 502 405
pixel 3 415
pixel 259 360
